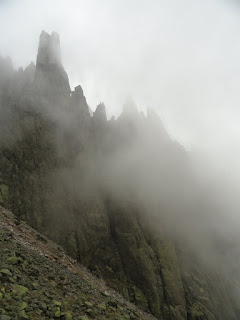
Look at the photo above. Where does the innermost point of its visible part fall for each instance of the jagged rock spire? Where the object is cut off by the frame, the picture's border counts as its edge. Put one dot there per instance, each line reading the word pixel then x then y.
pixel 50 77
pixel 49 49
pixel 79 104
pixel 129 106
pixel 100 113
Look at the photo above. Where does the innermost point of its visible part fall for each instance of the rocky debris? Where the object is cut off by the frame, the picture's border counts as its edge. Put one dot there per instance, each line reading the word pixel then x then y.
pixel 39 281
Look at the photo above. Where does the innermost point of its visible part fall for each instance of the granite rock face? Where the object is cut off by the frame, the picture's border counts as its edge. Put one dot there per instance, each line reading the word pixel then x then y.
pixel 58 171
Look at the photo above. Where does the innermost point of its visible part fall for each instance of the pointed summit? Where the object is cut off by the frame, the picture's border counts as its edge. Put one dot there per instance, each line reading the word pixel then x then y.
pixel 50 77
pixel 129 107
pixel 49 51
pixel 79 103
pixel 100 113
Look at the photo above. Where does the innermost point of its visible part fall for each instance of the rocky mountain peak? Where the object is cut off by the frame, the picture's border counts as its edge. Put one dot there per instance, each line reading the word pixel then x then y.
pixel 78 92
pixel 111 193
pixel 50 77
pixel 79 103
pixel 49 49
pixel 100 113
pixel 129 107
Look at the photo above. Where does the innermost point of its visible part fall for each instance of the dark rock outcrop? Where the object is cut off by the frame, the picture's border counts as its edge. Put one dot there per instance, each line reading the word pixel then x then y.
pixel 79 104
pixel 100 113
pixel 51 80
pixel 58 172
pixel 34 286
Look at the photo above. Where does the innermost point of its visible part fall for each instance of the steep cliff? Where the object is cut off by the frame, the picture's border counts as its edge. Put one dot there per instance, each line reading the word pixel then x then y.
pixel 58 169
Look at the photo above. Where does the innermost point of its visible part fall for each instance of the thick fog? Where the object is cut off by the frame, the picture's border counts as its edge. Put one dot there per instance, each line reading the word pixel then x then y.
pixel 179 58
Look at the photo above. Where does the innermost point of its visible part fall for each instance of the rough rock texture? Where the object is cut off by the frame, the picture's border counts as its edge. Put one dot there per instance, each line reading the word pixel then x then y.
pixel 39 281
pixel 51 150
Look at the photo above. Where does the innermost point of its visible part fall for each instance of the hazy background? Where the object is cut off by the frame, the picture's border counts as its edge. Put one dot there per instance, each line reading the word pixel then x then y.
pixel 179 57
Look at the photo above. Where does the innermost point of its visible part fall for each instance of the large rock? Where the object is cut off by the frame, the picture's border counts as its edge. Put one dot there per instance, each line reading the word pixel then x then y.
pixel 51 80
pixel 100 113
pixel 60 177
pixel 79 104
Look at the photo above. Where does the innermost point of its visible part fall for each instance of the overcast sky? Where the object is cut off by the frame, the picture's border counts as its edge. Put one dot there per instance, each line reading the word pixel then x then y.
pixel 178 57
